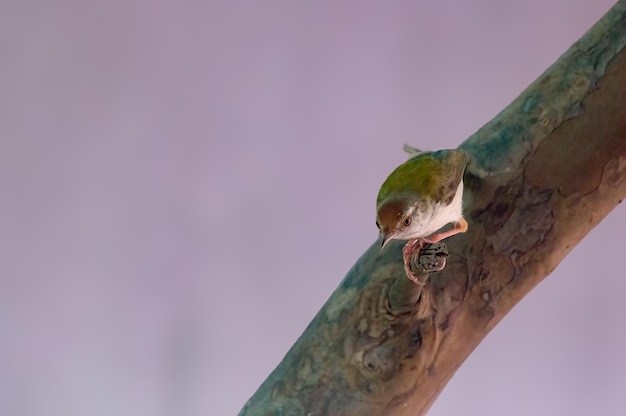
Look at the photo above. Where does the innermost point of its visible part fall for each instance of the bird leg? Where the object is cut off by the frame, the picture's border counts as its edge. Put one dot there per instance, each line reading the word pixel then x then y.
pixel 460 226
pixel 416 244
pixel 409 249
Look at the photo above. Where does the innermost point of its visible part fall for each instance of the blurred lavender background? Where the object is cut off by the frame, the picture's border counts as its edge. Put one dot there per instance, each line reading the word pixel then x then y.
pixel 185 183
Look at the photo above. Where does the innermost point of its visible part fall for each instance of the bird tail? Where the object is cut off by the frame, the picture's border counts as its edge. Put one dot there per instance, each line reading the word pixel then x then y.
pixel 412 151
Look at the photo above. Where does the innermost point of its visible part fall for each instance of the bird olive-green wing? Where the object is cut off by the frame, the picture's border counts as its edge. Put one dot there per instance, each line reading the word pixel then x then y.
pixel 454 164
pixel 432 175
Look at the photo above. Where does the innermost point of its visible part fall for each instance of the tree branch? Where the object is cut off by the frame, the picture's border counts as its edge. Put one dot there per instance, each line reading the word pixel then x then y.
pixel 542 174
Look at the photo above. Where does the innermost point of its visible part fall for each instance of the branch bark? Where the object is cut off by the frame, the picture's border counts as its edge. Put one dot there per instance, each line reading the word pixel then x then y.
pixel 542 174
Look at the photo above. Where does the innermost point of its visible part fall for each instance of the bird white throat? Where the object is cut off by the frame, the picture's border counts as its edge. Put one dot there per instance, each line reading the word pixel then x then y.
pixel 438 216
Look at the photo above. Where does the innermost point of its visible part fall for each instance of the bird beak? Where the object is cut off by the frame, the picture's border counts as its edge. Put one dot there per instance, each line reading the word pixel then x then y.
pixel 387 237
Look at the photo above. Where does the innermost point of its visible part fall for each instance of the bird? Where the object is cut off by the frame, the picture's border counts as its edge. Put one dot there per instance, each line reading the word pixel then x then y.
pixel 419 197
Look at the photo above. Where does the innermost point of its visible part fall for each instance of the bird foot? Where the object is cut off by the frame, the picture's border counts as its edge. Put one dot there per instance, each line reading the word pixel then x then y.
pixel 410 248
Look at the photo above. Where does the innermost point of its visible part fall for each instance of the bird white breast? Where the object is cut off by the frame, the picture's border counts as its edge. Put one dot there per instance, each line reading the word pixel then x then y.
pixel 431 220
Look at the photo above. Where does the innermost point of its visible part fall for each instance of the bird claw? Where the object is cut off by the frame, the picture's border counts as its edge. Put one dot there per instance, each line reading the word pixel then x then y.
pixel 410 248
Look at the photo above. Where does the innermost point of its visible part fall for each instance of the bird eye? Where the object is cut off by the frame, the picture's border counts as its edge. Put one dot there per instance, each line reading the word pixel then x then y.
pixel 377 225
pixel 407 221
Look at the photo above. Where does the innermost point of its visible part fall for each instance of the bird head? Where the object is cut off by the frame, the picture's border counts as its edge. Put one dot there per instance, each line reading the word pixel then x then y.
pixel 399 219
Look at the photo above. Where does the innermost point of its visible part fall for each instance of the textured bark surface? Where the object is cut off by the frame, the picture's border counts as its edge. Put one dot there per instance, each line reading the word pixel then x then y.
pixel 542 174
